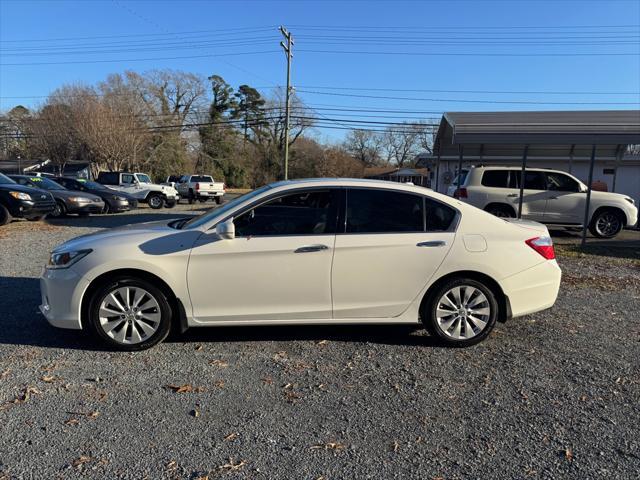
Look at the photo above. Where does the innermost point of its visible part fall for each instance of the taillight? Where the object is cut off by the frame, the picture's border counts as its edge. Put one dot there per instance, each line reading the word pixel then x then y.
pixel 542 245
pixel 197 186
pixel 224 186
pixel 460 193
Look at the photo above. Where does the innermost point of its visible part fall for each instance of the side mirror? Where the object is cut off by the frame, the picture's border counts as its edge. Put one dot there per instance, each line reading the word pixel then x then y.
pixel 226 230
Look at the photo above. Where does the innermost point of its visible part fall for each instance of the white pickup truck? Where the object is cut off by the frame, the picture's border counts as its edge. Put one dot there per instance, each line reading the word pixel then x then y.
pixel 200 187
pixel 140 186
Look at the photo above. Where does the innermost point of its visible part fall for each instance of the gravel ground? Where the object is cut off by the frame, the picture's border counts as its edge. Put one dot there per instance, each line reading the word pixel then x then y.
pixel 551 395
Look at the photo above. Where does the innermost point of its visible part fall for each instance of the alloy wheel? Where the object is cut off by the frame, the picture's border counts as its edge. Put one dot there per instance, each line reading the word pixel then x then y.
pixel 129 315
pixel 463 312
pixel 608 224
pixel 155 201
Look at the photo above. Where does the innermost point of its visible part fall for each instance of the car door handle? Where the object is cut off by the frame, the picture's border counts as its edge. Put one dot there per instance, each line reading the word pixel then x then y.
pixel 310 248
pixel 433 243
pixel 513 195
pixel 553 198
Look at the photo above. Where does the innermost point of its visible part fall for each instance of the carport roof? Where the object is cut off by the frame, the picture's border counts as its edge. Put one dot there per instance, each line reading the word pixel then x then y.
pixel 549 133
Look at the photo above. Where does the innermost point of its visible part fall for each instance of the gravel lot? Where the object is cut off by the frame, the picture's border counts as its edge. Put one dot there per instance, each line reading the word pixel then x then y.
pixel 551 395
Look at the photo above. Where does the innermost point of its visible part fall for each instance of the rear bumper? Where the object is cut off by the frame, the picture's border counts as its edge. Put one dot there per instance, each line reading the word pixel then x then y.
pixel 61 292
pixel 534 289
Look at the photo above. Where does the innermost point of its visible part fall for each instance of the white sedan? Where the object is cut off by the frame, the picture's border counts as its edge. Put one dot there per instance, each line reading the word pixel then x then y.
pixel 325 251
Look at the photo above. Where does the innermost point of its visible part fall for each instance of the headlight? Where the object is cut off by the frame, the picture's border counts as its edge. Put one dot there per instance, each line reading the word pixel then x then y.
pixel 630 200
pixel 66 259
pixel 119 198
pixel 20 195
pixel 80 199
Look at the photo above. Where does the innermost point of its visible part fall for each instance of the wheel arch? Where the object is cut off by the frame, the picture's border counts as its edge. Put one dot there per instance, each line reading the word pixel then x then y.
pixel 503 301
pixel 501 205
pixel 611 208
pixel 179 316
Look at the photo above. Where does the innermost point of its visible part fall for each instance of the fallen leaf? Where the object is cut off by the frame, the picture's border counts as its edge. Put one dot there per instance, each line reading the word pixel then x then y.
pixel 81 460
pixel 322 342
pixel 219 363
pixel 231 466
pixel 198 348
pixel 328 446
pixel 219 383
pixel 568 454
pixel 5 373
pixel 48 378
pixel 195 413
pixel 267 380
pixel 395 446
pixel 231 436
pixel 280 355
pixel 172 465
pixel 72 421
pixel 186 388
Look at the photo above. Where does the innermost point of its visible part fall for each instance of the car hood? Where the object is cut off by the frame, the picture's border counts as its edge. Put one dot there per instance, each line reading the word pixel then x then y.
pixel 16 187
pixel 598 195
pixel 67 194
pixel 125 236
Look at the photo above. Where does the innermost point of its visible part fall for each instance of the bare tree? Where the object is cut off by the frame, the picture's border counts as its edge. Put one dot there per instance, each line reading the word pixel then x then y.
pixel 401 144
pixel 365 146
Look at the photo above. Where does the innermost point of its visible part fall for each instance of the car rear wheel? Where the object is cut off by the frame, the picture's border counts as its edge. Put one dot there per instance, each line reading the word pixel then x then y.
pixel 462 312
pixel 218 200
pixel 130 314
pixel 5 216
pixel 606 224
pixel 501 211
pixel 155 201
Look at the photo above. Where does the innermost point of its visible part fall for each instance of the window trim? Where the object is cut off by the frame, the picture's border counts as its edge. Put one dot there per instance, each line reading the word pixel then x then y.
pixel 342 210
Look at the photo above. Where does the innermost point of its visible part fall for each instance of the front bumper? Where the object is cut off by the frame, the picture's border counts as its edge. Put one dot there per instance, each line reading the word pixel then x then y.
pixel 120 205
pixel 85 207
pixel 61 291
pixel 28 209
pixel 534 289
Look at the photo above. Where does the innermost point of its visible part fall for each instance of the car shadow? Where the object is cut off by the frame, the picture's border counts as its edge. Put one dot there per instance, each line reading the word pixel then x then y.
pixel 22 324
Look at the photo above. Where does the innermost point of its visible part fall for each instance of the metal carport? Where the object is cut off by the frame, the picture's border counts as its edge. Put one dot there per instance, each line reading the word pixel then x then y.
pixel 523 135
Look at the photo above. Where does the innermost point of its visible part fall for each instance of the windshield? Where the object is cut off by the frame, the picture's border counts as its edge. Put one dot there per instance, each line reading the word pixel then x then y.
pixel 92 185
pixel 212 214
pixel 45 183
pixel 143 178
pixel 5 180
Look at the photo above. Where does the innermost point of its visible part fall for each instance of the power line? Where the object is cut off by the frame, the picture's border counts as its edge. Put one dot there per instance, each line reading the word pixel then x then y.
pixel 472 54
pixel 454 100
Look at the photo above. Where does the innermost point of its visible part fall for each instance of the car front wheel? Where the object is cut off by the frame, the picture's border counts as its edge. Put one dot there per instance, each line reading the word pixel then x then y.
pixel 130 314
pixel 155 201
pixel 606 224
pixel 462 312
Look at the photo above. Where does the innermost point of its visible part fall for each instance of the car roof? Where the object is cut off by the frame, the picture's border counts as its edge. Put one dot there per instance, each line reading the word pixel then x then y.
pixel 514 167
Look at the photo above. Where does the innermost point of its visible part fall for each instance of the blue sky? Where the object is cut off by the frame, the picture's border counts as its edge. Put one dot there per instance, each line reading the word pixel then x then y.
pixel 475 43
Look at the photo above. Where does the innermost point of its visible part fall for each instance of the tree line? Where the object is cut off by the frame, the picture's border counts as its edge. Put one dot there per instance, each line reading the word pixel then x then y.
pixel 167 122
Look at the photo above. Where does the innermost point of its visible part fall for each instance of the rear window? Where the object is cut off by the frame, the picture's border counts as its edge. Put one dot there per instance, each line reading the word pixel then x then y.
pixel 201 178
pixel 109 178
pixel 496 178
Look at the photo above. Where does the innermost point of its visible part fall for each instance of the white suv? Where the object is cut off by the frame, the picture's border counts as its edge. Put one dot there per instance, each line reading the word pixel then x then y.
pixel 550 196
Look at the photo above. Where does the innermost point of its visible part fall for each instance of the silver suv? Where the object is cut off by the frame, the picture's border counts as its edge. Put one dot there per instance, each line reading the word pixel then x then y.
pixel 552 197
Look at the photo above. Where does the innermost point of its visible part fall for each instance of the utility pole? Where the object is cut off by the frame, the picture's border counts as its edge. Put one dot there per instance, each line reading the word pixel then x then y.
pixel 287 50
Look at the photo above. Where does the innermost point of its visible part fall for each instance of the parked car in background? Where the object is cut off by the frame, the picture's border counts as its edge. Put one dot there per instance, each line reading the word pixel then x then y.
pixel 324 251
pixel 172 180
pixel 458 180
pixel 18 201
pixel 114 201
pixel 550 196
pixel 66 201
pixel 140 186
pixel 200 187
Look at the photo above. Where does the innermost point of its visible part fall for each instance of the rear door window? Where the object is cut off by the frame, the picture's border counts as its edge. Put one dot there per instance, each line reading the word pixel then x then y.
pixel 384 211
pixel 532 180
pixel 496 178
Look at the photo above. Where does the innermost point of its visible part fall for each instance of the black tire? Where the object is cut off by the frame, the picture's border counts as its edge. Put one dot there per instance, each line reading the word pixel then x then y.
pixel 155 201
pixel 164 325
pixel 218 200
pixel 606 223
pixel 107 208
pixel 202 199
pixel 60 210
pixel 169 203
pixel 447 336
pixel 191 197
pixel 501 211
pixel 5 216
